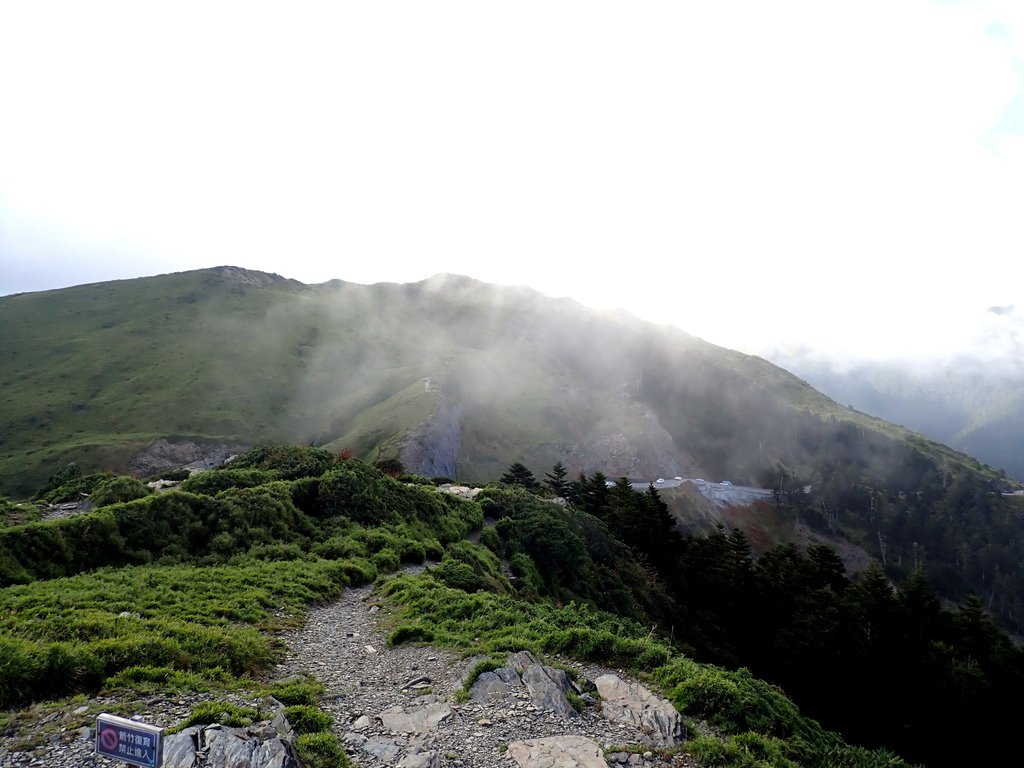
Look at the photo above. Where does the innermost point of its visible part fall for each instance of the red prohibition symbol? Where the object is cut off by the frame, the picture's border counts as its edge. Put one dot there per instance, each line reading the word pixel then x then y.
pixel 109 738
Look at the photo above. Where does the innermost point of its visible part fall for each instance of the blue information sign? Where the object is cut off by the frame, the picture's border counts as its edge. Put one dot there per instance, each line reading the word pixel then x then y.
pixel 129 741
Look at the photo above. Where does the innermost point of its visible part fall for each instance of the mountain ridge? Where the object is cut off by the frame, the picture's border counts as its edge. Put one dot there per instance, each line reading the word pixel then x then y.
pixel 260 357
pixel 460 378
pixel 966 403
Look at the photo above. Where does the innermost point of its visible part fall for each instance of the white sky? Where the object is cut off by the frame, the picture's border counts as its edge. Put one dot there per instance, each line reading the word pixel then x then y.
pixel 846 175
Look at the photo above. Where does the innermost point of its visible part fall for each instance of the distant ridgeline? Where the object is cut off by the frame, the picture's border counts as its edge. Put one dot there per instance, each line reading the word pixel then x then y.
pixel 181 589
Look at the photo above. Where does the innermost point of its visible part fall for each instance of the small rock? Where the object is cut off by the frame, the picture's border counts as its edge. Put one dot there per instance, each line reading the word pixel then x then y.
pixel 382 748
pixel 416 682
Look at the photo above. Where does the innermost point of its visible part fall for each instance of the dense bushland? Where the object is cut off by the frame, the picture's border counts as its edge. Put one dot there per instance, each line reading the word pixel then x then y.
pixel 309 513
pixel 179 589
pixel 888 668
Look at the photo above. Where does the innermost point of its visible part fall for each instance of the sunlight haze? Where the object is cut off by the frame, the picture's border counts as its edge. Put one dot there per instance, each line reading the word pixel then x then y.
pixel 844 176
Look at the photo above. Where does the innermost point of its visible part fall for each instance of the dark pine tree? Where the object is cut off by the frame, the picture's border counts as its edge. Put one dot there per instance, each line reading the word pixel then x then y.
pixel 555 480
pixel 518 474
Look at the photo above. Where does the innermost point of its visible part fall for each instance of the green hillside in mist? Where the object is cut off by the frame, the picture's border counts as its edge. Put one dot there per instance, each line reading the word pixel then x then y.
pixel 971 405
pixel 459 378
pixel 454 376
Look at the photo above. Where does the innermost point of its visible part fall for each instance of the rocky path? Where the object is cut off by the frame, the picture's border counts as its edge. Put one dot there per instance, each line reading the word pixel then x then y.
pixel 392 707
pixel 398 706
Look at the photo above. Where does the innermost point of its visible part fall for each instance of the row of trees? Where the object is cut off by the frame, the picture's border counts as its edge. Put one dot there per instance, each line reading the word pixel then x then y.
pixel 887 667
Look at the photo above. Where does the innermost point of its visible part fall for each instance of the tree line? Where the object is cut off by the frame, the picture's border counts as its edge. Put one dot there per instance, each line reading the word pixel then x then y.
pixel 887 666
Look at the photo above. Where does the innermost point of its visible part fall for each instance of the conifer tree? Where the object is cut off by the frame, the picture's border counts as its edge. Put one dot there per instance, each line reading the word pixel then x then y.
pixel 555 480
pixel 518 474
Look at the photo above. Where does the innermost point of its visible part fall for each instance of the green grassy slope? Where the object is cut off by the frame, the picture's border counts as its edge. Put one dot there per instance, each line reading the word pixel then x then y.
pixel 96 372
pixel 191 588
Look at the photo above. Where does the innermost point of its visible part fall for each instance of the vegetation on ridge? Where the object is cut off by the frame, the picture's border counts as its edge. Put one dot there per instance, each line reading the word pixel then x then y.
pixel 412 373
pixel 605 579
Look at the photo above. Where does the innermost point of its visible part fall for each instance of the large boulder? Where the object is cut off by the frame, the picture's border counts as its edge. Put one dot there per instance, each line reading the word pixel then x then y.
pixel 496 685
pixel 260 746
pixel 546 686
pixel 635 705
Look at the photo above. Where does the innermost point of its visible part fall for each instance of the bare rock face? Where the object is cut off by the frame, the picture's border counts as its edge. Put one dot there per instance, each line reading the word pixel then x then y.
pixel 263 746
pixel 546 686
pixel 495 685
pixel 635 705
pixel 433 449
pixel 521 660
pixel 556 752
pixel 164 454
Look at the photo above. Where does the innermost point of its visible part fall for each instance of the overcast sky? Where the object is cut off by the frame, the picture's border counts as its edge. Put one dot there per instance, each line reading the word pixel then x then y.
pixel 848 175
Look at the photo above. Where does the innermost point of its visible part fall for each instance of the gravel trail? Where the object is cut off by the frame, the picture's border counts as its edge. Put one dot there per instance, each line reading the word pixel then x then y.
pixel 343 646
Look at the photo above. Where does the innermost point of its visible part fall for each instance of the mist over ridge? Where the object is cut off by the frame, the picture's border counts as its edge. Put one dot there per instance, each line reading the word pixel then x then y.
pixel 458 378
pixel 448 372
pixel 971 400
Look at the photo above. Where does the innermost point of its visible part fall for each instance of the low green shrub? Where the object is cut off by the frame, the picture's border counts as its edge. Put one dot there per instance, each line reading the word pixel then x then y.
pixel 734 702
pixel 222 712
pixel 490 539
pixel 306 691
pixel 386 560
pixel 484 665
pixel 72 488
pixel 337 547
pixel 460 576
pixel 288 461
pixel 173 475
pixel 407 634
pixel 294 692
pixel 150 678
pixel 412 551
pixel 214 481
pixel 357 570
pixel 321 750
pixel 277 552
pixel 306 718
pixel 117 490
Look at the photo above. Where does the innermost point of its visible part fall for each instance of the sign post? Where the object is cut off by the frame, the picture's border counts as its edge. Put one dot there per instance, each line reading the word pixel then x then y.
pixel 129 741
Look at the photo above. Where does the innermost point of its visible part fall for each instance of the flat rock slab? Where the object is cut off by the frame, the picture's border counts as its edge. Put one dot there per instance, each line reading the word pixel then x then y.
pixel 556 752
pixel 634 705
pixel 382 748
pixel 415 719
